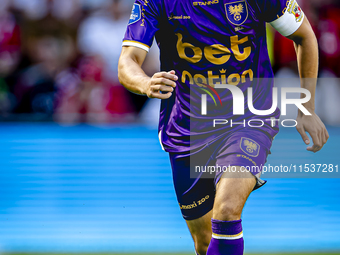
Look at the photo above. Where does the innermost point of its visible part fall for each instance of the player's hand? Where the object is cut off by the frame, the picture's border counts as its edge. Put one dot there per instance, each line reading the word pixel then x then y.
pixel 316 129
pixel 161 85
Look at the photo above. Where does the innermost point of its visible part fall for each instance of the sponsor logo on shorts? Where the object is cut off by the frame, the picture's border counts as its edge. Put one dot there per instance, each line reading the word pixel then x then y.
pixel 135 14
pixel 194 203
pixel 250 147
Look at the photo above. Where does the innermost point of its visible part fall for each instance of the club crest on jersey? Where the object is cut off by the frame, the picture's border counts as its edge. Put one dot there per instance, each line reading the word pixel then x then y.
pixel 135 14
pixel 237 12
pixel 250 147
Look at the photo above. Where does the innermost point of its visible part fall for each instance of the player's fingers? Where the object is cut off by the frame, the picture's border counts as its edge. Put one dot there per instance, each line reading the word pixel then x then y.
pixel 157 91
pixel 326 135
pixel 303 134
pixel 168 75
pixel 314 148
pixel 322 135
pixel 162 88
pixel 321 139
pixel 164 81
pixel 317 145
pixel 159 95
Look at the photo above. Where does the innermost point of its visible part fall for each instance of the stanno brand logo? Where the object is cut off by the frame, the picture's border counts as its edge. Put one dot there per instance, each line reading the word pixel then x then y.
pixel 204 3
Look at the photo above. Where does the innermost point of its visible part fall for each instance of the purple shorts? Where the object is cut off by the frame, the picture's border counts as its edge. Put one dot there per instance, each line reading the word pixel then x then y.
pixel 195 174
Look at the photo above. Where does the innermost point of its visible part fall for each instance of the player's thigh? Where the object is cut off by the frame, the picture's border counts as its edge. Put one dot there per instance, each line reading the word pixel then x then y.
pixel 246 148
pixel 200 230
pixel 195 194
pixel 232 192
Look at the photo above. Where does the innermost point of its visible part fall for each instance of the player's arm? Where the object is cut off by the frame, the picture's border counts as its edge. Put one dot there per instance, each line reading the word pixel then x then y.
pixel 308 58
pixel 288 19
pixel 133 78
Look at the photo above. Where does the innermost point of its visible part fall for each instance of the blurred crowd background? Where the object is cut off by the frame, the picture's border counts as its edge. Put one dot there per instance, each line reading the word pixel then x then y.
pixel 93 188
pixel 58 60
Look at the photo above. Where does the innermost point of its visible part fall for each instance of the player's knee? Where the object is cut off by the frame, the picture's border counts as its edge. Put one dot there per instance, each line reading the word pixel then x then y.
pixel 227 211
pixel 202 247
pixel 202 242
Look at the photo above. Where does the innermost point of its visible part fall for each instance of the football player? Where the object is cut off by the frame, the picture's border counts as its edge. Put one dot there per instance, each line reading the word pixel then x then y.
pixel 204 44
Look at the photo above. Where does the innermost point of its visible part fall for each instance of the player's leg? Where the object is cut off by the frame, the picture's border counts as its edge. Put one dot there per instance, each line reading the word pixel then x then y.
pixel 200 230
pixel 232 192
pixel 195 197
pixel 246 151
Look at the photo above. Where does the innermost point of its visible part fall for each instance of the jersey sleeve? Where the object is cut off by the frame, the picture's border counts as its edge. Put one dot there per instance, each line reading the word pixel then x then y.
pixel 285 16
pixel 143 24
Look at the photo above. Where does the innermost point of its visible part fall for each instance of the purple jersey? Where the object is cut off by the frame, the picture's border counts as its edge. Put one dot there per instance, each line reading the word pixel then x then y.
pixel 209 43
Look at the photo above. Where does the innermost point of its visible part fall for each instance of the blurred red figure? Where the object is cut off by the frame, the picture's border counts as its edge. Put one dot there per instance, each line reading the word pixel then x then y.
pixel 329 38
pixel 95 39
pixel 10 40
pixel 10 43
pixel 92 98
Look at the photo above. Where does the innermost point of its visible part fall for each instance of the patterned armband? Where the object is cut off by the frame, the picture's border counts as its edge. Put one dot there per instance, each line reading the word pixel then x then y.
pixel 291 20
